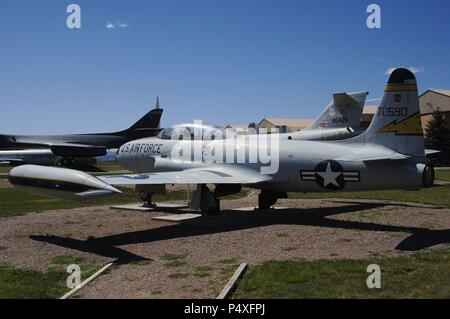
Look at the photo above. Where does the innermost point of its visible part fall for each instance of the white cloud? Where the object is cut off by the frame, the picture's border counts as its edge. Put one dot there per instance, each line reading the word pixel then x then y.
pixel 118 24
pixel 413 69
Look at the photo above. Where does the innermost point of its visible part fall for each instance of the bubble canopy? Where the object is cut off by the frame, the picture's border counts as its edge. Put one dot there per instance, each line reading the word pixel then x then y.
pixel 191 131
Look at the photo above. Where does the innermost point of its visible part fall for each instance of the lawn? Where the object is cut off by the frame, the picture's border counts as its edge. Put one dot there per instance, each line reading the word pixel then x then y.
pixel 443 175
pixel 423 275
pixel 437 195
pixel 15 202
pixel 19 283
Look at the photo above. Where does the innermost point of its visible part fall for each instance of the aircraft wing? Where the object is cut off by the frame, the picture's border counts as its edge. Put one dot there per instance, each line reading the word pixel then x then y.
pixel 369 155
pixel 207 175
pixel 81 150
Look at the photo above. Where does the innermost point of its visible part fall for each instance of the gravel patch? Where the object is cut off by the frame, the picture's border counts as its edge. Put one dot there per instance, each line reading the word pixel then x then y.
pixel 195 258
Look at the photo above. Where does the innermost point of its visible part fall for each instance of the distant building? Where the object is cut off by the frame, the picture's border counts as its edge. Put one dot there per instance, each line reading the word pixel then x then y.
pixel 432 100
pixel 367 115
pixel 239 128
pixel 289 125
pixel 429 101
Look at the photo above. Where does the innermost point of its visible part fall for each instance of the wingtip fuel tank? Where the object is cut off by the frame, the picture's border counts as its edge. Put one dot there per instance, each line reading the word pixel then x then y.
pixel 59 182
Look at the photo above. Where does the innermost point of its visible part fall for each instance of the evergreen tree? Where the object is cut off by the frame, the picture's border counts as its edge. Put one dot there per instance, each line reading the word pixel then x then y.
pixel 438 138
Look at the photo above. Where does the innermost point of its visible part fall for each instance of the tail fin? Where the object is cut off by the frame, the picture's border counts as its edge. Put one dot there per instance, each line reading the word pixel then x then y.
pixel 149 121
pixel 397 122
pixel 343 111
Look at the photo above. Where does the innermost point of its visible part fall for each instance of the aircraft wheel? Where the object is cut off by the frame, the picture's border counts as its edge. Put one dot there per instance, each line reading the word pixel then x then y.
pixel 147 198
pixel 212 210
pixel 428 176
pixel 266 200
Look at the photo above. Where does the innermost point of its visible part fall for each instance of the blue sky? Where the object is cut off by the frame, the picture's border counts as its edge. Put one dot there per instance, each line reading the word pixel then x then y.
pixel 222 61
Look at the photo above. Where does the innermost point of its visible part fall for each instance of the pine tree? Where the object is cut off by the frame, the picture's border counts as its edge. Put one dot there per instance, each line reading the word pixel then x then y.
pixel 438 138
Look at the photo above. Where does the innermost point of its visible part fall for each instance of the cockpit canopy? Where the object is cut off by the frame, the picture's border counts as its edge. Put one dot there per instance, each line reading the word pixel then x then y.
pixel 193 131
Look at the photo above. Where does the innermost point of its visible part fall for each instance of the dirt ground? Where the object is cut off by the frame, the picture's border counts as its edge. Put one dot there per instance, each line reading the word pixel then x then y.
pixel 308 229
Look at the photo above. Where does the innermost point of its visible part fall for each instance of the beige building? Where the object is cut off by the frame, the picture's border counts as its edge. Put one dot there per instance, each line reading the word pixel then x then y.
pixel 367 115
pixel 432 100
pixel 293 125
pixel 239 128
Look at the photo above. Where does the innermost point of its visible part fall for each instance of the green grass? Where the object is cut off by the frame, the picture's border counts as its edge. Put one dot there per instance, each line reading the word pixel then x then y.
pixel 15 202
pixel 19 283
pixel 5 169
pixel 203 271
pixel 178 275
pixel 67 260
pixel 174 260
pixel 30 284
pixel 175 263
pixel 437 195
pixel 423 275
pixel 204 268
pixel 443 175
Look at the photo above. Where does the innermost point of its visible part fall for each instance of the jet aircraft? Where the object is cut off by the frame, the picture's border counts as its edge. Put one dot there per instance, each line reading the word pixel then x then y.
pixel 390 154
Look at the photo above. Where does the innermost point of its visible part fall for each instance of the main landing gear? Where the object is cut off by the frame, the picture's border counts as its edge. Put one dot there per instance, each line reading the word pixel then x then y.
pixel 208 202
pixel 205 201
pixel 267 199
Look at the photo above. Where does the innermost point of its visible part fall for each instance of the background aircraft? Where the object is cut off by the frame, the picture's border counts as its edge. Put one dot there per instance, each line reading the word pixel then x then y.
pixel 86 145
pixel 43 157
pixel 390 154
pixel 32 156
pixel 340 120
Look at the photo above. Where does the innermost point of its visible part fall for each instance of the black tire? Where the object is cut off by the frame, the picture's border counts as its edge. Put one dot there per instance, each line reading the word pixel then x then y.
pixel 428 176
pixel 266 200
pixel 146 197
pixel 212 211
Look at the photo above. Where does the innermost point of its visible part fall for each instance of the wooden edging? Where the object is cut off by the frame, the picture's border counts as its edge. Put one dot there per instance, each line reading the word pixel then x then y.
pixel 229 287
pixel 84 283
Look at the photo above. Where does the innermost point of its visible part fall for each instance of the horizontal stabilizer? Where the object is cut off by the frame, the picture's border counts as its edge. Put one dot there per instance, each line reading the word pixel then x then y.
pixel 343 99
pixel 431 152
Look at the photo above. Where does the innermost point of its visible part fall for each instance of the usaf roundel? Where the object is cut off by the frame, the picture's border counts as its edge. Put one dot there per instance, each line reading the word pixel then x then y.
pixel 330 175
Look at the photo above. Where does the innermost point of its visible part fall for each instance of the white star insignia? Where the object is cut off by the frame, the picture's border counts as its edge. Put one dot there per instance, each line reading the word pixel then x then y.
pixel 329 177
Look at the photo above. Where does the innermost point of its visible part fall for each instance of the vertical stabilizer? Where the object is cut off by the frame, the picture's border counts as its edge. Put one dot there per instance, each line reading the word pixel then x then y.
pixel 397 122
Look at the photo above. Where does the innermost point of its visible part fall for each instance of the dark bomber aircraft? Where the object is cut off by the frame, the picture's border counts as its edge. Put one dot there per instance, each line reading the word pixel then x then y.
pixel 86 145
